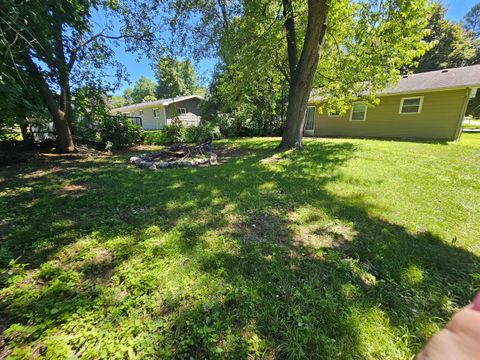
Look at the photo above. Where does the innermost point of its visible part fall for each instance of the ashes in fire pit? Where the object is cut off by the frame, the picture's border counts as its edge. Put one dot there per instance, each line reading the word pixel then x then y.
pixel 177 156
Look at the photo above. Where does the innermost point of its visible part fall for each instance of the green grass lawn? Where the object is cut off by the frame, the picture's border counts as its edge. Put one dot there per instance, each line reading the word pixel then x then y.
pixel 348 249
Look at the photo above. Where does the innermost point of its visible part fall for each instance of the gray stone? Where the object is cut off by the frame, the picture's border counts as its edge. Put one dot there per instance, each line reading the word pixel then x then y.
pixel 145 164
pixel 213 158
pixel 163 165
pixel 187 163
pixel 152 167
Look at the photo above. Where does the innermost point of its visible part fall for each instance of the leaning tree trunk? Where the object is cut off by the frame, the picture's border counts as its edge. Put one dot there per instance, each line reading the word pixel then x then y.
pixel 303 73
pixel 64 136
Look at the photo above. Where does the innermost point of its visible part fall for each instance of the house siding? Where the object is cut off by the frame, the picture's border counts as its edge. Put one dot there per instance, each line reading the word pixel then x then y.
pixel 148 121
pixel 192 107
pixel 438 119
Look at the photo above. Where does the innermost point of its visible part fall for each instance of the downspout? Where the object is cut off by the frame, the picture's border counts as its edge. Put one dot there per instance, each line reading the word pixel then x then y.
pixel 458 130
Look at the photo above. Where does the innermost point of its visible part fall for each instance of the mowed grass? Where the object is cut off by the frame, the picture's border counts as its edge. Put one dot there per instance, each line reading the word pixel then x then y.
pixel 350 249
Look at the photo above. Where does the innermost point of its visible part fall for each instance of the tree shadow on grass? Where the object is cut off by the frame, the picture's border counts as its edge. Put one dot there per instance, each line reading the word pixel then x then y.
pixel 252 258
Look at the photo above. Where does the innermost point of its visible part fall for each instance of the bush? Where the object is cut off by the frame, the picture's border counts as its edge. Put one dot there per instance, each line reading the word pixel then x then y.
pixel 174 133
pixel 178 133
pixel 202 133
pixel 154 137
pixel 119 132
pixel 170 134
pixel 246 123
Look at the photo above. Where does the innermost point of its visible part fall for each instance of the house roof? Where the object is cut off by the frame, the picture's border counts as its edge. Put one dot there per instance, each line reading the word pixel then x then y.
pixel 467 76
pixel 163 102
pixel 454 78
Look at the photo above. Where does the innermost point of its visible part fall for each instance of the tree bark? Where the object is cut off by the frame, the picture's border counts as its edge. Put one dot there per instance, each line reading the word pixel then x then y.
pixel 64 69
pixel 303 74
pixel 26 130
pixel 64 136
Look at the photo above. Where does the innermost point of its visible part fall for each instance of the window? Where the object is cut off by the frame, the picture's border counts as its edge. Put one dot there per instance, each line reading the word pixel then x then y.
pixel 140 113
pixel 181 111
pixel 155 113
pixel 309 121
pixel 359 112
pixel 411 105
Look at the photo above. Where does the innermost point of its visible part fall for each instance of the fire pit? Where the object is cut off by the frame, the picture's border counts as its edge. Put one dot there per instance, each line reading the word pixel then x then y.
pixel 177 156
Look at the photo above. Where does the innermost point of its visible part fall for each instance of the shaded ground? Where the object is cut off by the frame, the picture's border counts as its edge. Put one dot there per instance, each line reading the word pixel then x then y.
pixel 348 249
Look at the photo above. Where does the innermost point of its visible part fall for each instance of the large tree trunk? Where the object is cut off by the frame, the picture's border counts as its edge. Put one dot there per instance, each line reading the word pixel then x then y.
pixel 64 136
pixel 304 72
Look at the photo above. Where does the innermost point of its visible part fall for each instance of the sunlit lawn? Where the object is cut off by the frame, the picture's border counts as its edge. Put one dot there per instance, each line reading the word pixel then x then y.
pixel 348 249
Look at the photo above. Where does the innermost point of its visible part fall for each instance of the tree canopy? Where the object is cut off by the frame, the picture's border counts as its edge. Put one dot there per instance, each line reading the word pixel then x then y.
pixel 453 46
pixel 143 90
pixel 472 20
pixel 174 77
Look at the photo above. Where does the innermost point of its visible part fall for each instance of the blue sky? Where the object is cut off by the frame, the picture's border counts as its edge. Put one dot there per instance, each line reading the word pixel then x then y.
pixel 138 65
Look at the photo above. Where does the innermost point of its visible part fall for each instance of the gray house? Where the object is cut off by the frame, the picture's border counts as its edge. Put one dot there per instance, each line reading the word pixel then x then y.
pixel 156 114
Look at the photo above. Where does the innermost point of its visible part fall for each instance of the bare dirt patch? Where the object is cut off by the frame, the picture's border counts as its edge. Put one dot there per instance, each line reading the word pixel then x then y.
pixel 331 236
pixel 72 190
pixel 258 228
pixel 100 267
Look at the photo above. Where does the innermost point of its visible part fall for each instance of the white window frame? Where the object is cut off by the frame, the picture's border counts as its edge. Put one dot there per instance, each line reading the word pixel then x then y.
pixel 155 113
pixel 364 114
pixel 409 98
pixel 179 111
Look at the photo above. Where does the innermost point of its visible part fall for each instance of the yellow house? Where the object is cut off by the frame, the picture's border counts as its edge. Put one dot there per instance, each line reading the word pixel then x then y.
pixel 428 105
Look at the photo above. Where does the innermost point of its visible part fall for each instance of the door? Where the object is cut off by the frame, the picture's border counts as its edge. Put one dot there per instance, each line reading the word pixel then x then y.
pixel 309 128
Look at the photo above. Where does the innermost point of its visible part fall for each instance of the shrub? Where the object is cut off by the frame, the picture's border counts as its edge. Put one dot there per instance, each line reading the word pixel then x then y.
pixel 174 133
pixel 178 133
pixel 246 123
pixel 170 134
pixel 119 132
pixel 154 137
pixel 202 133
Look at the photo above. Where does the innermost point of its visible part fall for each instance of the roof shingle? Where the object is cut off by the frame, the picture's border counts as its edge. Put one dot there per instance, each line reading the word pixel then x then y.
pixel 468 76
